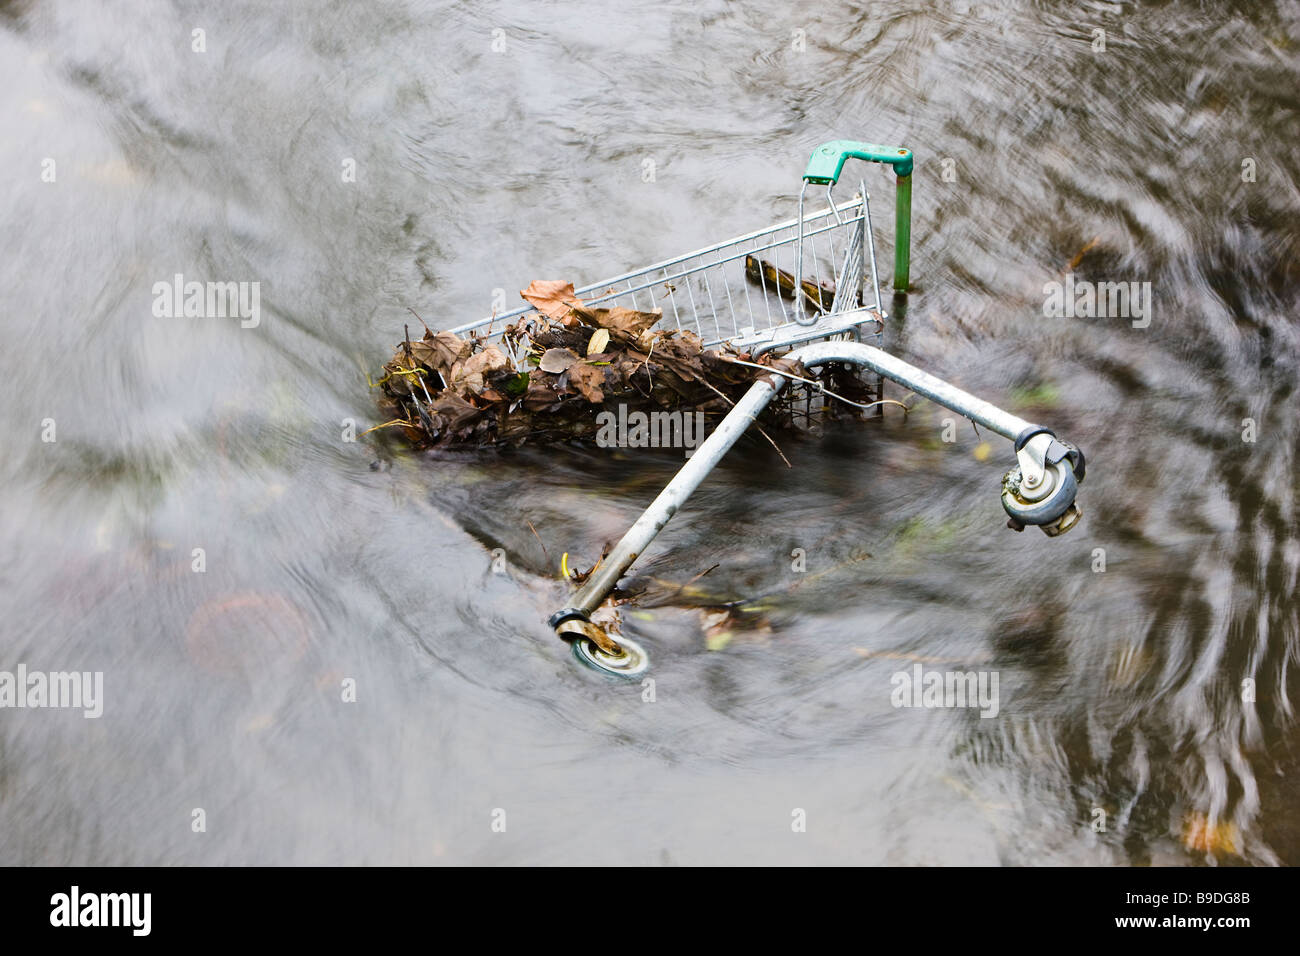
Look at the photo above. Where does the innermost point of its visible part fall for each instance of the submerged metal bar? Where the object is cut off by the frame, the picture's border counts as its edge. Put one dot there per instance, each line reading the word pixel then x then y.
pixel 653 519
pixel 923 383
pixel 607 574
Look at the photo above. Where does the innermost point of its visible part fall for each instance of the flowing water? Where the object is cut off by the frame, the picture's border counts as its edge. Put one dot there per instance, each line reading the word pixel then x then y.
pixel 357 160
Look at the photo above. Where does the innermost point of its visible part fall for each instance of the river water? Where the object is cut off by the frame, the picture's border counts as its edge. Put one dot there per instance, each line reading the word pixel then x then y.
pixel 201 532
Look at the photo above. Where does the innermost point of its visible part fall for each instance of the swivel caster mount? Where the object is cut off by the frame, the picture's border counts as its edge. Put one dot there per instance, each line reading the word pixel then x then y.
pixel 1041 488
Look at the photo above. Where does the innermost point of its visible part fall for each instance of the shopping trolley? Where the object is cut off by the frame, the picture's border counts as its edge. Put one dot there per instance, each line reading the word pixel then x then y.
pixel 807 290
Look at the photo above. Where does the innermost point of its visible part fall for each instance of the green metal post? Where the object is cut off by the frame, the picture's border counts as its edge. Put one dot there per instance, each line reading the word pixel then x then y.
pixel 903 233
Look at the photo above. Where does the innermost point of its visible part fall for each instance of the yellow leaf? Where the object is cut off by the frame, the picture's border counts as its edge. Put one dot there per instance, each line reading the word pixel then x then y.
pixel 1219 836
pixel 716 642
pixel 599 340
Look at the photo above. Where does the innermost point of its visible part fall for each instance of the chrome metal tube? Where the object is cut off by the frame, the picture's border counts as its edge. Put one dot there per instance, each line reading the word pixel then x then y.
pixel 653 519
pixel 923 383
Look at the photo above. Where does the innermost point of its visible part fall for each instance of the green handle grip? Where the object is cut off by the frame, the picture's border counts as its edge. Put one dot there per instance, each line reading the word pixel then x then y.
pixel 828 159
pixel 825 165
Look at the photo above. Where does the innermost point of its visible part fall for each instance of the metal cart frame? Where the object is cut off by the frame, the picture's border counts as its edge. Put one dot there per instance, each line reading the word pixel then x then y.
pixel 822 322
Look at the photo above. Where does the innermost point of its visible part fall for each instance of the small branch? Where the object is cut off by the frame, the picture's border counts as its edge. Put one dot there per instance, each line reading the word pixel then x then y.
pixel 761 430
pixel 417 315
pixel 545 553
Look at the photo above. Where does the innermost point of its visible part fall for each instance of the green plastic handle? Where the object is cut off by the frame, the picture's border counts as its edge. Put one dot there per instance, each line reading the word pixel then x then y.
pixel 825 165
pixel 828 159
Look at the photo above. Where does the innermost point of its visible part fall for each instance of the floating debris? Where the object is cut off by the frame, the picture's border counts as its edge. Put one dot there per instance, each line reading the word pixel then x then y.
pixel 549 375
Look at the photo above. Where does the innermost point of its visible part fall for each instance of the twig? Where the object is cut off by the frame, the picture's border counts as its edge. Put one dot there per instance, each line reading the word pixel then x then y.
pixel 679 588
pixel 698 576
pixel 545 553
pixel 417 315
pixel 821 387
pixel 761 430
pixel 645 364
pixel 395 421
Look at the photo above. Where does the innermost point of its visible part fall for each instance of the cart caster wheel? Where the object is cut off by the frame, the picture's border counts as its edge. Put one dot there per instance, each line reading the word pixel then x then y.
pixel 633 662
pixel 1044 504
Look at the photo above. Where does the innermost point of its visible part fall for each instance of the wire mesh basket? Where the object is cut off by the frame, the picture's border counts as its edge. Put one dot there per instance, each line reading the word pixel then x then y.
pixel 811 278
pixel 741 292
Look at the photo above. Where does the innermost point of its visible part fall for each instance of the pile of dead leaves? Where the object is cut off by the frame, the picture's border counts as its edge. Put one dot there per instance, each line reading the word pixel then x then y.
pixel 548 376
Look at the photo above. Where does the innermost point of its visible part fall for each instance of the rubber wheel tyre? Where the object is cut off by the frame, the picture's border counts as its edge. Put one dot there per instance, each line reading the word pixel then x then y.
pixel 1053 506
pixel 633 663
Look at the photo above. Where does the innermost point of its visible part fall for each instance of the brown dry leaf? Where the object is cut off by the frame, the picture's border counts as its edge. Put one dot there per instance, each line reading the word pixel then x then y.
pixel 598 342
pixel 491 359
pixel 440 351
pixel 452 412
pixel 540 396
pixel 588 380
pixel 690 341
pixel 556 361
pixel 551 297
pixel 619 319
pixel 630 320
pixel 469 375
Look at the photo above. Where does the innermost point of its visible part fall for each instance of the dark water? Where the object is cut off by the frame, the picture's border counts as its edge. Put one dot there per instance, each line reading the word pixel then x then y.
pixel 480 169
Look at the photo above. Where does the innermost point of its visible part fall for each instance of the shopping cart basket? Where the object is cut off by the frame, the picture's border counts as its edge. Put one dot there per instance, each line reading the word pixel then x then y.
pixel 807 289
